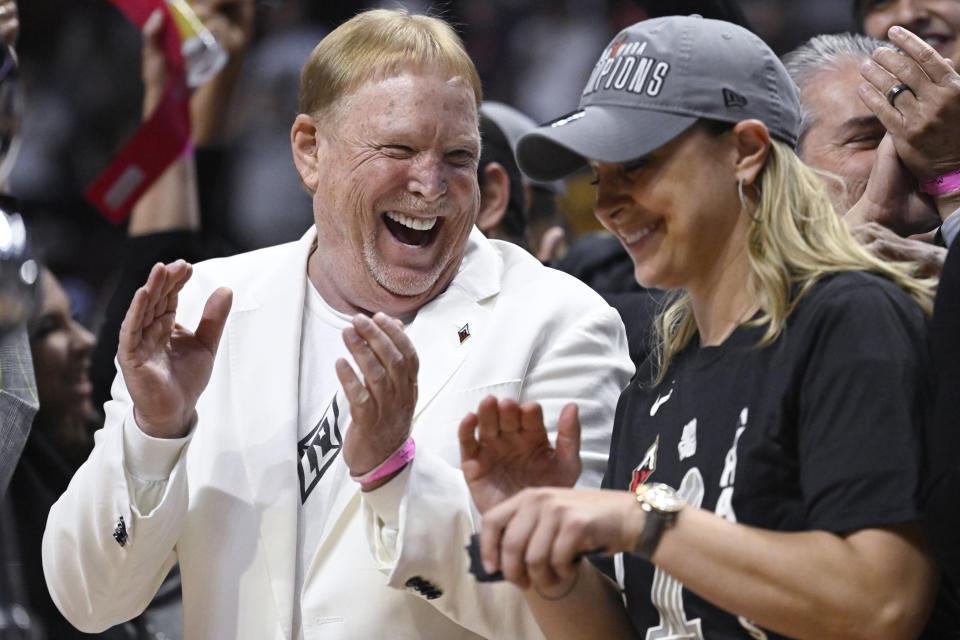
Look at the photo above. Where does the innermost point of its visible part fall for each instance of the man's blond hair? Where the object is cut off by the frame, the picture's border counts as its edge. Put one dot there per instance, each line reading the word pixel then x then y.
pixel 379 44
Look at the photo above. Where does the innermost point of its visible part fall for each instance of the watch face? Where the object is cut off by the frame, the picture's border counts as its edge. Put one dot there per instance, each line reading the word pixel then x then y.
pixel 661 497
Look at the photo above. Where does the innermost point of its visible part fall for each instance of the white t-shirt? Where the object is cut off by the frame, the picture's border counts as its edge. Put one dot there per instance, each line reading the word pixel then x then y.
pixel 319 427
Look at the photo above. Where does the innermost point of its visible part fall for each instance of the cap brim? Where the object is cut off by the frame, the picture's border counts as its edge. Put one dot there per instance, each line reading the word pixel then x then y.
pixel 598 132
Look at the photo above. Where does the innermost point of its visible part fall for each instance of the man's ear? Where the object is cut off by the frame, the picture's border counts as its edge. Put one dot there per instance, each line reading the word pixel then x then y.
pixel 303 143
pixel 494 196
pixel 752 140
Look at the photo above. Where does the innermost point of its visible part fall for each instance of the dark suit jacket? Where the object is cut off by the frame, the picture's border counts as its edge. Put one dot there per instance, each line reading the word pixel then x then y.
pixel 943 433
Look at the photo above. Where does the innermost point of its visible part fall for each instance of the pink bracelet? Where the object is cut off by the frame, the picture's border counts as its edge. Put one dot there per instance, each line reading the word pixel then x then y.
pixel 400 457
pixel 947 183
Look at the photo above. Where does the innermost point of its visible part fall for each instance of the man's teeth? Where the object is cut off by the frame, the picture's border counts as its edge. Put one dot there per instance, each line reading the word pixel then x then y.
pixel 935 41
pixel 420 224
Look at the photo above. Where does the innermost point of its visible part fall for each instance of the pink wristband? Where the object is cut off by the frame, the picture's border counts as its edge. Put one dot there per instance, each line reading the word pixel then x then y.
pixel 400 457
pixel 947 183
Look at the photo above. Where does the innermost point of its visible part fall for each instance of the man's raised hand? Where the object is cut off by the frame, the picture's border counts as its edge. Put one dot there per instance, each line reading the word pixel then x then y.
pixel 504 448
pixel 383 402
pixel 165 366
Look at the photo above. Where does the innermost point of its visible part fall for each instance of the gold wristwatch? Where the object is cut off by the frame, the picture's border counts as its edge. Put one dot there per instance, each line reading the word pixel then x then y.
pixel 661 505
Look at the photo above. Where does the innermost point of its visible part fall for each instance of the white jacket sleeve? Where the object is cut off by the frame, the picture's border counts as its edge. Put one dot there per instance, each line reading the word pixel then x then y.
pixel 109 540
pixel 418 524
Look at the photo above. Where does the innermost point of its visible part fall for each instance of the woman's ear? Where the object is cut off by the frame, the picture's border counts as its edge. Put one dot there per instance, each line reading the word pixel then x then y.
pixel 304 143
pixel 752 141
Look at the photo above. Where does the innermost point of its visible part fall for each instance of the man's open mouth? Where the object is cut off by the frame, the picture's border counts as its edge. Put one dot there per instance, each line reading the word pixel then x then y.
pixel 415 232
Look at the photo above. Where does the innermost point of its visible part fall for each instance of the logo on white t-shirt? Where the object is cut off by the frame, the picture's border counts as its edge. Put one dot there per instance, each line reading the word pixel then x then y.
pixel 318 449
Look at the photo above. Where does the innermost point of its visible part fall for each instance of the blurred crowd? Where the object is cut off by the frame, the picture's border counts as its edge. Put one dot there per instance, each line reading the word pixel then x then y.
pixel 80 64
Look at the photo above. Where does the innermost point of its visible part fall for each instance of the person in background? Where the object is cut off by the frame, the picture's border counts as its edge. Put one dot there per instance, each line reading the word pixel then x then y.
pixel 938 23
pixel 503 203
pixel 763 484
pixel 168 222
pixel 596 259
pixel 545 230
pixel 165 221
pixel 935 21
pixel 943 436
pixel 842 136
pixel 18 395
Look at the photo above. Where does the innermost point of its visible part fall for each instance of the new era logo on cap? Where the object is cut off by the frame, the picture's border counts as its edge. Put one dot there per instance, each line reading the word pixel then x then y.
pixel 733 99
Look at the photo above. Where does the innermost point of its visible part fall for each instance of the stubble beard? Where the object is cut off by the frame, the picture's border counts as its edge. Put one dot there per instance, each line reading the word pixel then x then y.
pixel 401 284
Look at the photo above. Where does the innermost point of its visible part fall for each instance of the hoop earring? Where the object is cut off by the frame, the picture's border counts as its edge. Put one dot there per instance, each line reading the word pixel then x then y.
pixel 743 201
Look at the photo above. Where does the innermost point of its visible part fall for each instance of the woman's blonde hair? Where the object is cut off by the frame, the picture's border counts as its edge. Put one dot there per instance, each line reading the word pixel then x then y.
pixel 795 239
pixel 378 44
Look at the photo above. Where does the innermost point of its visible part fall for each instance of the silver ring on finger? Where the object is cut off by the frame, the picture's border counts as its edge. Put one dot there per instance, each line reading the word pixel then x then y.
pixel 896 90
pixel 4 10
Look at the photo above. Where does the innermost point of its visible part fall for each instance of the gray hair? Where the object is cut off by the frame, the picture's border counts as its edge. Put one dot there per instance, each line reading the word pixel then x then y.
pixel 825 53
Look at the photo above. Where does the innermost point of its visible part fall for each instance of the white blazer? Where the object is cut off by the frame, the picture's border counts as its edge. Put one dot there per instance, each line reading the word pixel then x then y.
pixel 228 509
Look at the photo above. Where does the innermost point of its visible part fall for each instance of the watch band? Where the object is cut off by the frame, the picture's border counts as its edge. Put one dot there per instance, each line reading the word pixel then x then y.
pixel 655 523
pixel 660 504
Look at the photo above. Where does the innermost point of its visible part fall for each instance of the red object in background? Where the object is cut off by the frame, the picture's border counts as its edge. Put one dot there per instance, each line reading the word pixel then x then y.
pixel 160 140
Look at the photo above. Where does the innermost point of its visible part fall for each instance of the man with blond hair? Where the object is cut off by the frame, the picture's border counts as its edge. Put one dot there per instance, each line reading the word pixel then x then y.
pixel 304 469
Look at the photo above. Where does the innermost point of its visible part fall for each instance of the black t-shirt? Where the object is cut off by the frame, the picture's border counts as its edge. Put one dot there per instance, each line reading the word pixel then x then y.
pixel 818 430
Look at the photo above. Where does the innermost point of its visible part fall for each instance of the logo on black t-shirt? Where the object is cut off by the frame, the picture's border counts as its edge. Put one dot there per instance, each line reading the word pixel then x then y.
pixel 646 467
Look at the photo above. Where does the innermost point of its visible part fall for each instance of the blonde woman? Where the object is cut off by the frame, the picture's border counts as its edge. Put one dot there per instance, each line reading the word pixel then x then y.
pixel 762 477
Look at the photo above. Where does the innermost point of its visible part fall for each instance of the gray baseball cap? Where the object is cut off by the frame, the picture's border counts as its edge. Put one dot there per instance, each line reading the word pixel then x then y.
pixel 652 82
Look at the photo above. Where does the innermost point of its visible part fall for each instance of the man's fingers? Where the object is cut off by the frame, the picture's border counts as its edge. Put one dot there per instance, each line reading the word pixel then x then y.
pixel 357 394
pixel 382 336
pixel 154 288
pixel 903 69
pixel 142 309
pixel 568 436
pixel 890 118
pixel 882 81
pixel 177 275
pixel 131 329
pixel 509 415
pixel 375 377
pixel 928 237
pixel 214 318
pixel 466 432
pixel 488 416
pixel 550 244
pixel 531 417
pixel 393 328
pixel 936 67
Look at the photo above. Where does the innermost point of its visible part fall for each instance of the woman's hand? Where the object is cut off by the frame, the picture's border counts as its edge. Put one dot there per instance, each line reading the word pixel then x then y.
pixel 537 537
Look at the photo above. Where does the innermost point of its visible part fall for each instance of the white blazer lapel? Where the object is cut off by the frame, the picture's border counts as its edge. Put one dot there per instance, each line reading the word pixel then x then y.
pixel 264 340
pixel 445 330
